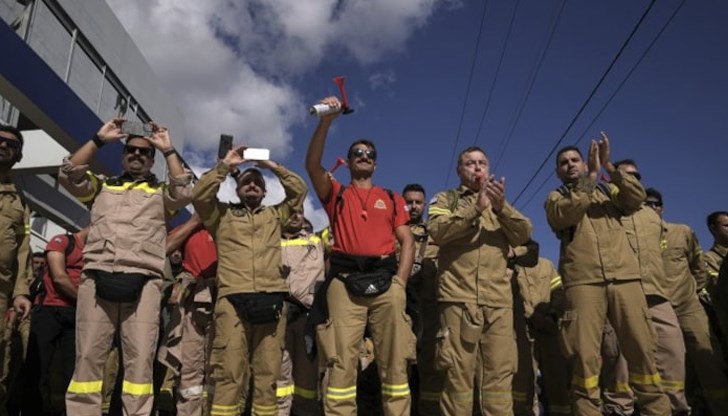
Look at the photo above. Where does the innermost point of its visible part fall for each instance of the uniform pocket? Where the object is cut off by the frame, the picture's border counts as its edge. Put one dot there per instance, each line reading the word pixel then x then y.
pixel 443 355
pixel 411 344
pixel 219 344
pixel 326 342
pixel 568 334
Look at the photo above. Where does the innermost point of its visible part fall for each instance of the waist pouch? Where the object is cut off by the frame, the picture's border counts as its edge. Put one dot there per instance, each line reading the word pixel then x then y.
pixel 119 287
pixel 368 284
pixel 258 308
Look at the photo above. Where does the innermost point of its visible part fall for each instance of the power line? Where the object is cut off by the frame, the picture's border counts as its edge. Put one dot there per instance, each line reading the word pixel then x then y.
pixel 588 99
pixel 611 97
pixel 497 72
pixel 467 92
pixel 503 145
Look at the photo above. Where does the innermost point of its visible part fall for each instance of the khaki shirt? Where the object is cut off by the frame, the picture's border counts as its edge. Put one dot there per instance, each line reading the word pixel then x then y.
pixel 303 258
pixel 128 218
pixel 424 270
pixel 15 256
pixel 594 246
pixel 536 286
pixel 645 234
pixel 684 262
pixel 472 259
pixel 713 260
pixel 248 242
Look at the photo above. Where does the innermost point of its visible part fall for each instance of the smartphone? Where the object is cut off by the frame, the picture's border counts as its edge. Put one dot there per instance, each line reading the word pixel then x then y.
pixel 256 154
pixel 226 144
pixel 136 128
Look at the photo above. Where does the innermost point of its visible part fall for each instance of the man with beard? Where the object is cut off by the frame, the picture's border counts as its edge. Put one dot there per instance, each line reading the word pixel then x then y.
pixel 121 284
pixel 366 285
pixel 15 261
pixel 249 315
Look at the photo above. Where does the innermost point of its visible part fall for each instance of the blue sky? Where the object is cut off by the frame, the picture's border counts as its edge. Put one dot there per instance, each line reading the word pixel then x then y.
pixel 408 64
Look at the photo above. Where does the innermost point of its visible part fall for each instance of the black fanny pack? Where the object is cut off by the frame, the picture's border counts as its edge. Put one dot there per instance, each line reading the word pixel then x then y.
pixel 119 287
pixel 258 308
pixel 368 284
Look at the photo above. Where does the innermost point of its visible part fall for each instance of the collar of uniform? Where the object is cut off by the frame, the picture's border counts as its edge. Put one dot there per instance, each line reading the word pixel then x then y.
pixel 239 208
pixel 465 191
pixel 126 177
pixel 419 231
pixel 302 234
pixel 720 249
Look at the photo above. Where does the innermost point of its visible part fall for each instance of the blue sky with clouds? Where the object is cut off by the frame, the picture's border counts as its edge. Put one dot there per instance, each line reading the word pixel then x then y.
pixel 408 65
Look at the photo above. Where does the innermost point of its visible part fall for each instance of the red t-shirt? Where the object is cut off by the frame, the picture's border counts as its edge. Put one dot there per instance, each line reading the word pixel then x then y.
pixel 199 255
pixel 364 220
pixel 74 264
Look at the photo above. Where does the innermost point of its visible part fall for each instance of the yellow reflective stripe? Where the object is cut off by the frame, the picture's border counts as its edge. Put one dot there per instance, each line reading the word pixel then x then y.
pixel 283 391
pixel 556 283
pixel 94 184
pixel 139 186
pixel 519 396
pixel 663 244
pixel 463 397
pixel 305 393
pixel 613 190
pixel 712 273
pixel 334 393
pixel 137 389
pixel 673 385
pixel 313 240
pixel 438 211
pixel 395 390
pixel 105 406
pixel 223 410
pixel 587 383
pixel 646 379
pixel 263 410
pixel 430 396
pixel 85 387
pixel 495 396
pixel 23 230
pixel 621 388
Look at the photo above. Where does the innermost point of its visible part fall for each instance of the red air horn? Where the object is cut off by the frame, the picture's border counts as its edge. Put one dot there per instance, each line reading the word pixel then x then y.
pixel 339 81
pixel 339 163
pixel 324 109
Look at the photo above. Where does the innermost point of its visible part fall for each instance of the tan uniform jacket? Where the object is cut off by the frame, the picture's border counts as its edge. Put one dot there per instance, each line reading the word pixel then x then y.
pixel 645 234
pixel 536 285
pixel 713 260
pixel 15 258
pixel 684 262
pixel 128 232
pixel 473 247
pixel 594 246
pixel 248 242
pixel 304 258
pixel 425 265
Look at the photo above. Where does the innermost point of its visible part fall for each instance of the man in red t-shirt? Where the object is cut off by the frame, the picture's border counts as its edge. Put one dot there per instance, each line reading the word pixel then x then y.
pixel 53 318
pixel 365 220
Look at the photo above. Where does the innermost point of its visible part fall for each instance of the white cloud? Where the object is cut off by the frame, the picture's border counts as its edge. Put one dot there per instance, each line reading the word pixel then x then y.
pixel 382 80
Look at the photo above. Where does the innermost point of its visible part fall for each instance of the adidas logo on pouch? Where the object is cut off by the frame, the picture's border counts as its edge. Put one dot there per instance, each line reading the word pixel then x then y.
pixel 371 289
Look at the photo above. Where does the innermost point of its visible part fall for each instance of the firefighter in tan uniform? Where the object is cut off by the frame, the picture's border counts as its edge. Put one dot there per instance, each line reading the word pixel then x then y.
pixel 250 321
pixel 474 226
pixel 645 233
pixel 365 285
pixel 538 303
pixel 687 276
pixel 303 262
pixel 601 277
pixel 15 255
pixel 124 257
pixel 718 227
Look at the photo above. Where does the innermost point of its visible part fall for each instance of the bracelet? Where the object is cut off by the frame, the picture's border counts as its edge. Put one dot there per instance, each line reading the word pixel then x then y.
pixel 169 152
pixel 97 141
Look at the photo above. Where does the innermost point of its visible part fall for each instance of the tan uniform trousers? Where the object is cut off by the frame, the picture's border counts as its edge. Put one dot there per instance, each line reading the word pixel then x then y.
pixel 13 357
pixel 111 371
pixel 339 341
pixel 525 399
pixel 298 383
pixel 431 380
pixel 704 354
pixel 96 322
pixel 669 358
pixel 473 337
pixel 239 347
pixel 588 308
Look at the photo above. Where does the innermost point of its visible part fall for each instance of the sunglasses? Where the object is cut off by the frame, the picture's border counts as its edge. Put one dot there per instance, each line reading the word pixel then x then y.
pixel 636 175
pixel 359 152
pixel 653 204
pixel 11 143
pixel 144 151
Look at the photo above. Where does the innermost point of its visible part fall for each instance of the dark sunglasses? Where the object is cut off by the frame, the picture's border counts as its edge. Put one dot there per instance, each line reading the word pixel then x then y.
pixel 144 151
pixel 13 144
pixel 653 204
pixel 371 154
pixel 636 175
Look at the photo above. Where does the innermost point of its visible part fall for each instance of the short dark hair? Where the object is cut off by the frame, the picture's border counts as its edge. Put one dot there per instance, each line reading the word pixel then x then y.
pixel 471 149
pixel 713 218
pixel 569 148
pixel 366 142
pixel 254 171
pixel 630 162
pixel 654 193
pixel 15 132
pixel 40 254
pixel 413 187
